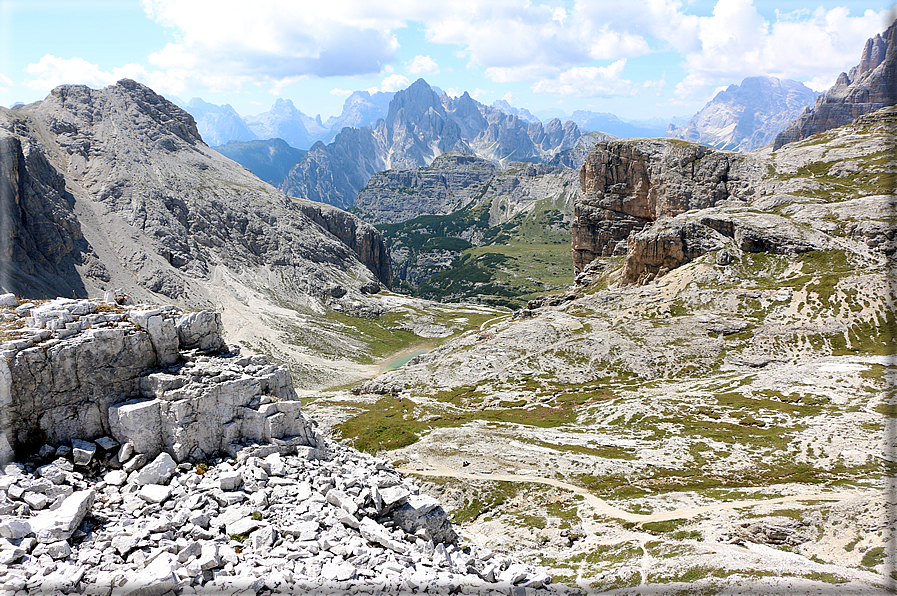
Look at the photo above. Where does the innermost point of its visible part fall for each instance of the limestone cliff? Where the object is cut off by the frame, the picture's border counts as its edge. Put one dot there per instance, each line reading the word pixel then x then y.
pixel 450 183
pixel 361 237
pixel 869 86
pixel 159 378
pixel 626 185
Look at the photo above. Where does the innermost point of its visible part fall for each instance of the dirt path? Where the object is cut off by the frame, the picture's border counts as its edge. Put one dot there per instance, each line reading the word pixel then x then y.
pixel 609 510
pixel 483 326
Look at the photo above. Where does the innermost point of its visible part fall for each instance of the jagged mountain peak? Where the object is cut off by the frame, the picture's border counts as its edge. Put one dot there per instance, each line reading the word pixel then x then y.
pixel 746 116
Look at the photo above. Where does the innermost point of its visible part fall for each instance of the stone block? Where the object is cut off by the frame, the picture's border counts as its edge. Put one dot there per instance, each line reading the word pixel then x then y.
pixel 138 423
pixel 60 524
pixel 200 330
pixel 83 452
pixel 158 471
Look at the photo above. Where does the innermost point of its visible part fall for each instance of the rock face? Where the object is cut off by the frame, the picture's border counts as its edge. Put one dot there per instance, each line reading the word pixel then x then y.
pixel 146 387
pixel 626 185
pixel 669 243
pixel 450 183
pixel 420 126
pixel 747 116
pixel 869 86
pixel 363 238
pixel 115 188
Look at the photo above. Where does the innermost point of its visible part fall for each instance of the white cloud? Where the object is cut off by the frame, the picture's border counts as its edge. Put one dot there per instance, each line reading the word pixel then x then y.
pixel 394 82
pixel 589 81
pixel 5 83
pixel 222 45
pixel 422 65
pixel 736 42
pixel 478 93
pixel 51 71
pixel 340 92
pixel 271 41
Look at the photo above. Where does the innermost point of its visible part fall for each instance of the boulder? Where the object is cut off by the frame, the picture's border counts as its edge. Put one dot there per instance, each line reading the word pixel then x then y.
pixel 60 524
pixel 158 471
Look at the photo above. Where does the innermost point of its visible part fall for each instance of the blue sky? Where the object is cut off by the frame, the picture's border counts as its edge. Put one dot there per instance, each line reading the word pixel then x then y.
pixel 655 58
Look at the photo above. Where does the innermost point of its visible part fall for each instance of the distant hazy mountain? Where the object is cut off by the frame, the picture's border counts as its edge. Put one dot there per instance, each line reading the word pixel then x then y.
pixel 420 126
pixel 282 121
pixel 747 116
pixel 604 122
pixel 270 160
pixel 218 124
pixel 549 113
pixel 359 110
pixel 507 108
pixel 869 86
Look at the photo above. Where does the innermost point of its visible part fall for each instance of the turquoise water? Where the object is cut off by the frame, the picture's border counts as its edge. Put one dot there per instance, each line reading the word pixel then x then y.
pixel 400 361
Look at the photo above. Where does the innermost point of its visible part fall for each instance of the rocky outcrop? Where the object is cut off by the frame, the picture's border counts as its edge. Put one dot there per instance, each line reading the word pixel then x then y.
pixel 361 237
pixel 747 116
pixel 671 242
pixel 420 126
pixel 869 86
pixel 626 185
pixel 157 378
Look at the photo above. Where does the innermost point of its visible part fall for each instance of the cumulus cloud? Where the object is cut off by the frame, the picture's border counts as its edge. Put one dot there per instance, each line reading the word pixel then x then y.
pixel 5 83
pixel 340 92
pixel 422 65
pixel 394 82
pixel 222 44
pixel 736 42
pixel 51 71
pixel 589 81
pixel 268 41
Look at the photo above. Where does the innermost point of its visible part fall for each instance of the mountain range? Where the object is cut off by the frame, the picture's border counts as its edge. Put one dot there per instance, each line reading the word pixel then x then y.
pixel 421 125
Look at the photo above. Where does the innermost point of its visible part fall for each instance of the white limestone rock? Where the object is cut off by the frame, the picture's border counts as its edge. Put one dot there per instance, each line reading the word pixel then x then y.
pixel 158 471
pixel 59 524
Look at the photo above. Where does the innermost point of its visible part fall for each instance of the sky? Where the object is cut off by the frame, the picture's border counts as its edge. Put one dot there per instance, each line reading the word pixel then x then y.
pixel 636 59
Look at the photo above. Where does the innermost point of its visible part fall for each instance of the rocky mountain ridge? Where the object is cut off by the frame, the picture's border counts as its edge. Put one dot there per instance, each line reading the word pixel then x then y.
pixel 869 86
pixel 747 116
pixel 420 126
